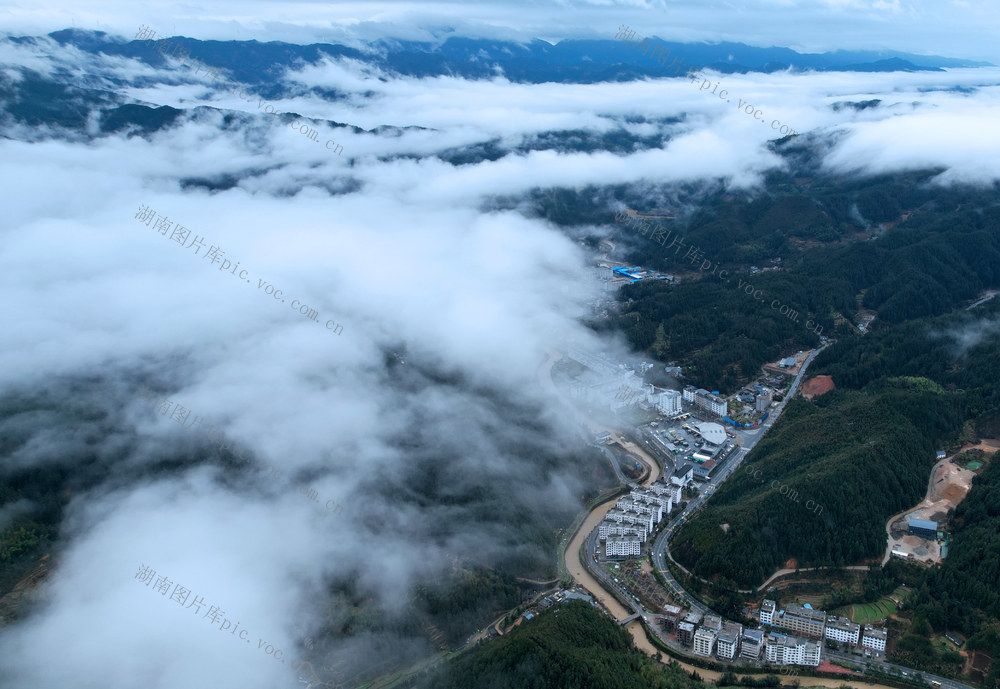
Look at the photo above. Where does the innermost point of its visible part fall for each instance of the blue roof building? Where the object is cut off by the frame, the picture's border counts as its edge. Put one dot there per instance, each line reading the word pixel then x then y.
pixel 923 527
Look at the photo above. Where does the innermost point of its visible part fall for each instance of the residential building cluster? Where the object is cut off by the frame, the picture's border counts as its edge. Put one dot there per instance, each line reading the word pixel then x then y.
pixel 816 623
pixel 706 400
pixel 706 636
pixel 629 523
pixel 759 396
pixel 717 637
pixel 663 400
pixel 711 635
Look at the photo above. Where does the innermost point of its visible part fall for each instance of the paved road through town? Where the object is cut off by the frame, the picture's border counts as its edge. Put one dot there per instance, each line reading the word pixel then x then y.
pixel 660 550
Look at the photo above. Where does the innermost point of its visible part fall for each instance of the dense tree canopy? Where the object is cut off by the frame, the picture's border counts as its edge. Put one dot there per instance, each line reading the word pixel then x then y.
pixel 571 646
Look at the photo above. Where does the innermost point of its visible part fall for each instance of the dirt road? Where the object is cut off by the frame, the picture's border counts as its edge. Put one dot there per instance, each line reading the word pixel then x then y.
pixel 947 486
pixel 654 468
pixel 786 572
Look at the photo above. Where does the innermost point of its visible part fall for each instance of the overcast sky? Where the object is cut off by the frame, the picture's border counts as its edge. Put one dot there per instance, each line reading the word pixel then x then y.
pixel 956 28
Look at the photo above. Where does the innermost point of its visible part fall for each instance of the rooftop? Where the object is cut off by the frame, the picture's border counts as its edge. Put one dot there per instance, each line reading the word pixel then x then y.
pixel 712 432
pixel 805 613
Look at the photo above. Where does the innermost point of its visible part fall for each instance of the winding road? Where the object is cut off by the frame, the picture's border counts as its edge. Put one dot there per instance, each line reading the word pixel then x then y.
pixel 586 535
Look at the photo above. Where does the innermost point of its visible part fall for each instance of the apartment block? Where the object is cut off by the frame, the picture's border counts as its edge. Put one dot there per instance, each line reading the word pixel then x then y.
pixel 610 528
pixel 623 547
pixel 782 649
pixel 660 487
pixel 728 642
pixel 843 630
pixel 629 517
pixel 650 497
pixel 802 620
pixel 668 403
pixel 751 644
pixel 874 637
pixel 713 622
pixel 767 611
pixel 653 511
pixel 704 642
pixel 706 400
pixel 671 615
pixel 685 633
pixel 811 654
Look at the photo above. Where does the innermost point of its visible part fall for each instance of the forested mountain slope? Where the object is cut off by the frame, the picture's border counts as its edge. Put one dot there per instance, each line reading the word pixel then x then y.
pixel 862 452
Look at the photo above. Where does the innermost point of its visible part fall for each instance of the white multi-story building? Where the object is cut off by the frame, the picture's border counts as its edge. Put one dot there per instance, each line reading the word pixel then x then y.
pixel 801 619
pixel 728 642
pixel 683 475
pixel 623 517
pixel 668 402
pixel 810 654
pixel 706 400
pixel 751 643
pixel 638 514
pixel 767 611
pixel 704 642
pixel 607 529
pixel 623 547
pixel 781 649
pixel 660 503
pixel 651 497
pixel 665 489
pixel 843 630
pixel 660 487
pixel 874 637
pixel 641 506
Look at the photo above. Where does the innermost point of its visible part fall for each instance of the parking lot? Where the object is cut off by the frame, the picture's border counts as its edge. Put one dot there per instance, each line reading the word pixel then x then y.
pixel 678 441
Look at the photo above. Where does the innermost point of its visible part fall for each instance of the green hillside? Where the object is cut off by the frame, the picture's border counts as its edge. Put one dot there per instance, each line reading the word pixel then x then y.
pixel 822 483
pixel 571 646
pixel 820 262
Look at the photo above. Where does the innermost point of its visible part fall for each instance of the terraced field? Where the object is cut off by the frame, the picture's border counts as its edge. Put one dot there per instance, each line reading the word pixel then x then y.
pixel 868 613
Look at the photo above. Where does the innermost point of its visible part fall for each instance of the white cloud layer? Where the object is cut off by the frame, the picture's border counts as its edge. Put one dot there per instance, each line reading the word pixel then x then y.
pixel 405 256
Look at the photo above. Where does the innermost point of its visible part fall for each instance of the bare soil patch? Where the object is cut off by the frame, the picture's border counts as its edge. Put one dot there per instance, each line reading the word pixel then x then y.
pixel 816 386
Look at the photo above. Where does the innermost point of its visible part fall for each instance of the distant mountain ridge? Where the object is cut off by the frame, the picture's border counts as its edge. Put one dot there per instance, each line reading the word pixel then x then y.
pixel 536 61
